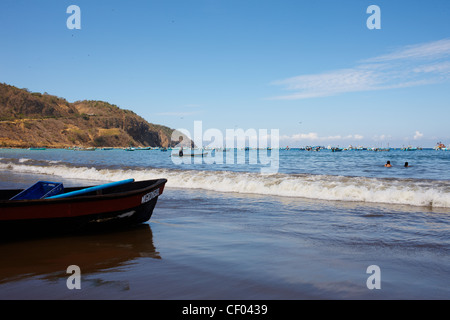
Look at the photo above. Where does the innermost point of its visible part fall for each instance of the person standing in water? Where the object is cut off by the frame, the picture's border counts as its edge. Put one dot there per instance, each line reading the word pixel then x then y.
pixel 388 164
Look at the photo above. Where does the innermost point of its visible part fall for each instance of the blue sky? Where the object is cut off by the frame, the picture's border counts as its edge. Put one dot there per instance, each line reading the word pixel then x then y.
pixel 311 69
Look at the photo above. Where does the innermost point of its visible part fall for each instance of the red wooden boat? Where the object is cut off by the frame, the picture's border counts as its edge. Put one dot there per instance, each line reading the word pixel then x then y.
pixel 80 208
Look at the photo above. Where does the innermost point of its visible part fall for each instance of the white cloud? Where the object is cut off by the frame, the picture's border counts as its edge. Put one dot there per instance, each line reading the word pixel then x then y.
pixel 409 66
pixel 303 136
pixel 418 135
pixel 325 84
pixel 441 67
pixel 382 137
pixel 314 137
pixel 429 50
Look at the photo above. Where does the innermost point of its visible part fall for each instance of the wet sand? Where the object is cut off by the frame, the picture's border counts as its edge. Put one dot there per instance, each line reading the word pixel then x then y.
pixel 208 245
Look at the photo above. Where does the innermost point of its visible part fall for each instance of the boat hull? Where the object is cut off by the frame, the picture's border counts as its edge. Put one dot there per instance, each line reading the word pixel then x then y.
pixel 121 206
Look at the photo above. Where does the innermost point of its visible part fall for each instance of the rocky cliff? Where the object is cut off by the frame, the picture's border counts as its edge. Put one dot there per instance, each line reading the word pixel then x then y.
pixel 31 119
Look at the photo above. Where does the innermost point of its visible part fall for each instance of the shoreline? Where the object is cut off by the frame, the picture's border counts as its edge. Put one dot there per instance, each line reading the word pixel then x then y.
pixel 391 186
pixel 202 244
pixel 196 247
pixel 11 180
pixel 23 147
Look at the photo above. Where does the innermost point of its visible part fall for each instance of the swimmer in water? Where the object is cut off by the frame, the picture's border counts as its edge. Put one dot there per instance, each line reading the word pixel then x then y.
pixel 388 164
pixel 406 165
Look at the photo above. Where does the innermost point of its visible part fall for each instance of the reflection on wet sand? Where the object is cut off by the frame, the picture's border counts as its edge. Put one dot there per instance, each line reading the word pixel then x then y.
pixel 94 253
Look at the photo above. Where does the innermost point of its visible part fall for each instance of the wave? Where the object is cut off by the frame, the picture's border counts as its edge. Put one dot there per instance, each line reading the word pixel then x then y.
pixel 429 193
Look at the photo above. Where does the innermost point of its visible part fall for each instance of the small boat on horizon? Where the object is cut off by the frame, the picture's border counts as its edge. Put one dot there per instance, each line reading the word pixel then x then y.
pixel 203 154
pixel 440 146
pixel 143 148
pixel 191 153
pixel 408 148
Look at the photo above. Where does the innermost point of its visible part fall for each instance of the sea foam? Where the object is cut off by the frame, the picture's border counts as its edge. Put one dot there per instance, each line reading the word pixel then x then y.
pixel 429 193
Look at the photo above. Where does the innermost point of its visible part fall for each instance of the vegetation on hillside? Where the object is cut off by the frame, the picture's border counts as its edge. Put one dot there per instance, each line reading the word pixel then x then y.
pixel 32 119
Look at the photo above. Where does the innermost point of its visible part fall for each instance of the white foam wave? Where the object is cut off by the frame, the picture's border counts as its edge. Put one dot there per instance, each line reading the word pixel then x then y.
pixel 323 187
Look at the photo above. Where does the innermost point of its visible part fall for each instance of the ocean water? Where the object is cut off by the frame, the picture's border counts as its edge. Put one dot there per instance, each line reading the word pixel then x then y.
pixel 225 230
pixel 344 176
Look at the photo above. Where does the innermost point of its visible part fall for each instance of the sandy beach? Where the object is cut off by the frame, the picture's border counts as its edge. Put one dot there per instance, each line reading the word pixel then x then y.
pixel 209 245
